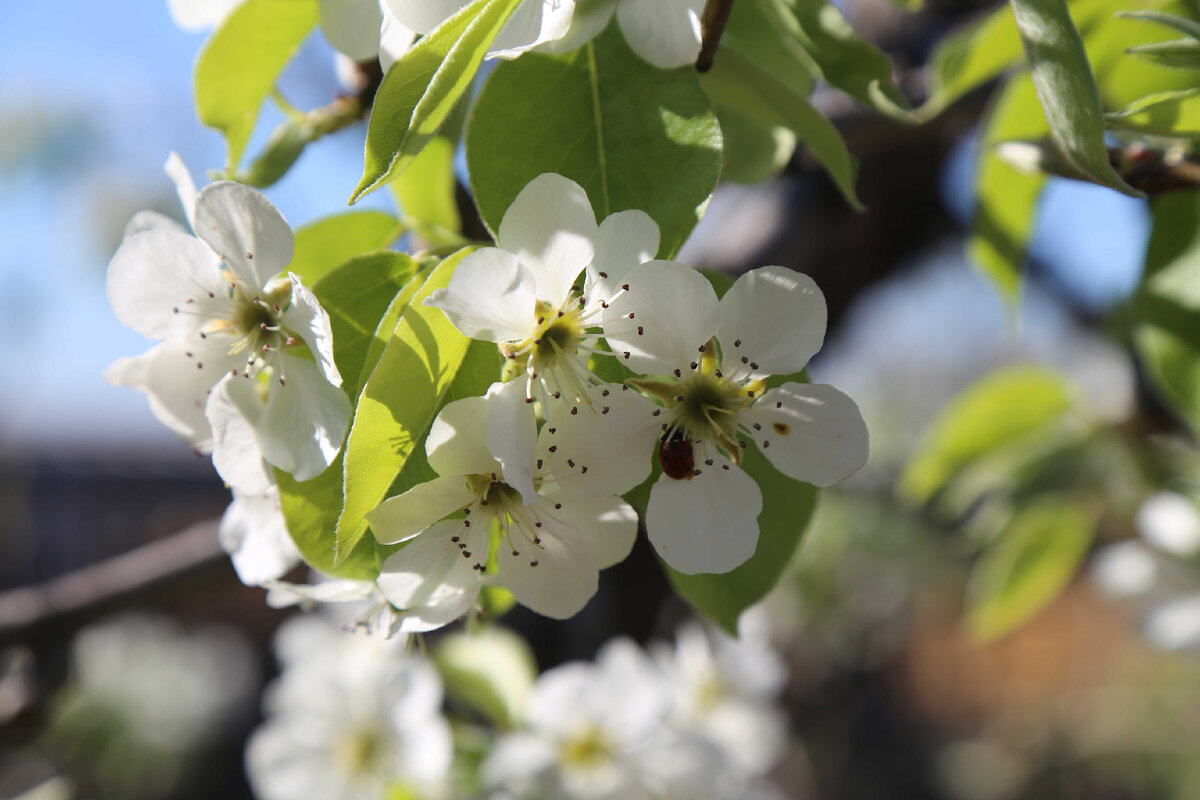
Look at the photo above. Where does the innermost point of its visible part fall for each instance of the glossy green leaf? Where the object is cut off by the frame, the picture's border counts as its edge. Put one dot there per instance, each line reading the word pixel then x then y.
pixel 311 509
pixel 1066 87
pixel 740 84
pixel 1031 562
pixel 753 31
pixel 398 403
pixel 491 670
pixel 1005 197
pixel 1006 407
pixel 754 151
pixel 970 57
pixel 241 60
pixel 1175 113
pixel 426 193
pixel 787 507
pixel 423 87
pixel 632 135
pixel 334 240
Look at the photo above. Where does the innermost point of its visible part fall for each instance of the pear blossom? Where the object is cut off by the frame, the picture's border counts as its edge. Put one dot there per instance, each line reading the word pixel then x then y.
pixel 357 605
pixel 664 32
pixel 349 718
pixel 254 534
pixel 714 358
pixel 533 23
pixel 244 367
pixel 554 532
pixel 524 296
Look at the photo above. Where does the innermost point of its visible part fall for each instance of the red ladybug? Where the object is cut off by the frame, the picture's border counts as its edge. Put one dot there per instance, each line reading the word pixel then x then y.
pixel 677 457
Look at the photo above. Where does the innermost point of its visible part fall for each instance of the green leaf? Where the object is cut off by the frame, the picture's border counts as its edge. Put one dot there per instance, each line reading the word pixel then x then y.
pixel 311 510
pixel 357 296
pixel 754 151
pixel 1174 113
pixel 1067 88
pixel 334 240
pixel 1033 559
pixel 1181 53
pixel 970 57
pixel 753 31
pixel 238 65
pixel 426 193
pixel 632 135
pixel 738 83
pixel 398 403
pixel 491 670
pixel 787 507
pixel 1181 24
pixel 1005 197
pixel 1004 408
pixel 422 88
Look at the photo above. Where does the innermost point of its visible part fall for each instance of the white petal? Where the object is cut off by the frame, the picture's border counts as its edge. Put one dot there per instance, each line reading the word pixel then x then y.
pixel 515 757
pixel 431 572
pixel 352 26
pixel 285 595
pixel 810 432
pixel 244 229
pixel 664 32
pixel 304 423
pixel 676 311
pixel 233 409
pixel 609 524
pixel 625 239
pixel 1175 625
pixel 1126 569
pixel 185 187
pixel 512 436
pixel 254 533
pixel 423 16
pixel 489 297
pixel 394 38
pixel 177 384
pixel 551 228
pixel 309 320
pixel 196 15
pixel 520 33
pixel 708 523
pixel 590 18
pixel 152 221
pixel 402 517
pixel 555 578
pixel 153 275
pixel 775 318
pixel 1170 522
pixel 457 440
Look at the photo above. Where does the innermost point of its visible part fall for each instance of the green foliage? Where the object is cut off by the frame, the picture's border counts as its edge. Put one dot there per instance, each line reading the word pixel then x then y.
pixel 1066 87
pixel 1180 53
pixel 1005 407
pixel 753 31
pixel 1173 21
pixel 329 242
pixel 741 84
pixel 1034 558
pixel 1172 113
pixel 754 151
pixel 422 88
pixel 631 135
pixel 491 670
pixel 426 192
pixel 240 62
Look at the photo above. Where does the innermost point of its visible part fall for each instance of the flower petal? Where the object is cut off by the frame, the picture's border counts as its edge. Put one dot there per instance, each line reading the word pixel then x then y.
pixel 517 757
pixel 457 440
pixel 304 423
pixel 512 436
pixel 249 233
pixel 675 312
pixel 352 26
pixel 306 317
pixel 254 533
pixel 196 15
pixel 625 239
pixel 707 523
pixel 152 221
pixel 395 39
pixel 589 19
pixel 489 297
pixel 1175 625
pixel 810 432
pixel 609 524
pixel 233 409
pixel 185 187
pixel 431 573
pixel 555 578
pixel 664 32
pixel 423 16
pixel 551 228
pixel 153 276
pixel 402 517
pixel 774 317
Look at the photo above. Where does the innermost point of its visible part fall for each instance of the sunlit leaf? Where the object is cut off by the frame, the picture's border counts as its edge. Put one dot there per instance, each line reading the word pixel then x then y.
pixel 491 670
pixel 328 242
pixel 754 151
pixel 1174 113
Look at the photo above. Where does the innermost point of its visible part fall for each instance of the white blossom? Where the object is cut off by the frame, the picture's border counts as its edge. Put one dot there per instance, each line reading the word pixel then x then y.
pixel 664 32
pixel 357 605
pixel 533 23
pixel 254 533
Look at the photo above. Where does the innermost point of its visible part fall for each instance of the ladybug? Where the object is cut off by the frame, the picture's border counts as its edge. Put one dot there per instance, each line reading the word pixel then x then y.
pixel 677 457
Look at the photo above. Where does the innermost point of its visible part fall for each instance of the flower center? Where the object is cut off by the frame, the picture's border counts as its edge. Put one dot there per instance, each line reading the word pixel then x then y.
pixel 359 751
pixel 587 749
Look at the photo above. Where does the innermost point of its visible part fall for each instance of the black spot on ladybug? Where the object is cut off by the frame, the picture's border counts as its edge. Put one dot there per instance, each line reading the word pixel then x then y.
pixel 677 457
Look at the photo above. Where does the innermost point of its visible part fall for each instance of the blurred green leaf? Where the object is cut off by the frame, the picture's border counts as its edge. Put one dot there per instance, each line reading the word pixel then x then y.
pixel 491 670
pixel 1174 21
pixel 754 151
pixel 632 135
pixel 426 192
pixel 334 240
pixel 1032 561
pixel 1175 113
pixel 970 57
pixel 238 65
pixel 423 87
pixel 1181 53
pixel 1000 410
pixel 753 31
pixel 1066 87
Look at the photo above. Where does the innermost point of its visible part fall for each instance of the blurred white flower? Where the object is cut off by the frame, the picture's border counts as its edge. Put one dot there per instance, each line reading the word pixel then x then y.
pixel 349 718
pixel 355 605
pixel 1170 522
pixel 254 533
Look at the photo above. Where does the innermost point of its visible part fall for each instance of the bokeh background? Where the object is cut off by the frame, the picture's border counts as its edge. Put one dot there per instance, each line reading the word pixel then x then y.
pixel 889 696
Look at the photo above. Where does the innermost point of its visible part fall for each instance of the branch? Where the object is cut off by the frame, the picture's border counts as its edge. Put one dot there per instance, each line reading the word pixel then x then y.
pixel 712 28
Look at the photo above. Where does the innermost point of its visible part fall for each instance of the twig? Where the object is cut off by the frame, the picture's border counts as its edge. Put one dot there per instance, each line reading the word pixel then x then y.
pixel 712 28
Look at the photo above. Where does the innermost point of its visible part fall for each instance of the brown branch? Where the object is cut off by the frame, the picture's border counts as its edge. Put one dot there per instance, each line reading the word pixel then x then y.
pixel 712 28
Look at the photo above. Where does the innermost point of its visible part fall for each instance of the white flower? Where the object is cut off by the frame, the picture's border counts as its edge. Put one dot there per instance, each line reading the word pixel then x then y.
pixel 356 605
pixel 350 718
pixel 555 532
pixel 533 23
pixel 715 356
pixel 523 295
pixel 664 32
pixel 198 15
pixel 1170 522
pixel 233 328
pixel 254 534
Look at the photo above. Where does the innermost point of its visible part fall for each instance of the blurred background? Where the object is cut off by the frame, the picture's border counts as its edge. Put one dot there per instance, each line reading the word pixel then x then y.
pixel 891 694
